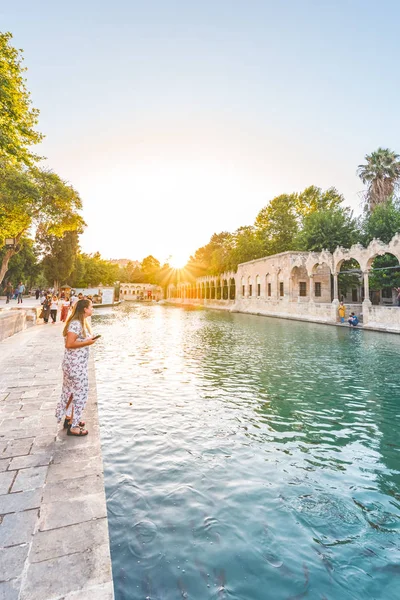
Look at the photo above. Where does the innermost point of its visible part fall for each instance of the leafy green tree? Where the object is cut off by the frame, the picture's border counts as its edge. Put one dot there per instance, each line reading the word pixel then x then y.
pixel 383 223
pixel 381 173
pixel 131 273
pixel 24 266
pixel 200 263
pixel 17 117
pixel 314 199
pixel 60 256
pixel 328 229
pixel 36 198
pixel 246 245
pixel 92 270
pixel 277 224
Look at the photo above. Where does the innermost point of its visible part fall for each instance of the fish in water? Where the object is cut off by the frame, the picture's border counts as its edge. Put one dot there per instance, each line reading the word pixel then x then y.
pixel 182 589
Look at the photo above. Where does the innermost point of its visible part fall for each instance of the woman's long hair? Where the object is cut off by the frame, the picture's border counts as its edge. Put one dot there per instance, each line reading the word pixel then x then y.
pixel 78 314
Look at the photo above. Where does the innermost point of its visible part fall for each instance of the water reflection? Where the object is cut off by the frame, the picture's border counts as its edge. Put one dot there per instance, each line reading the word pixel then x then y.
pixel 226 437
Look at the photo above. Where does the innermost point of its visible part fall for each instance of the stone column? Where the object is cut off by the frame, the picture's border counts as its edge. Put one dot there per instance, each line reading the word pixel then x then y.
pixel 335 301
pixel 366 305
pixel 311 284
pixel 335 287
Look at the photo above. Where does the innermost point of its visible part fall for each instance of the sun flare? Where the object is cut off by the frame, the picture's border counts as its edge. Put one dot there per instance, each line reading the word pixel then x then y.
pixel 177 261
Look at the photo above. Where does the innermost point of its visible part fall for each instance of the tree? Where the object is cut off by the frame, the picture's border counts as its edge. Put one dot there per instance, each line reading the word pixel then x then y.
pixel 59 260
pixel 277 224
pixel 328 229
pixel 313 199
pixel 381 174
pixel 383 223
pixel 24 266
pixel 36 198
pixel 17 117
pixel 92 270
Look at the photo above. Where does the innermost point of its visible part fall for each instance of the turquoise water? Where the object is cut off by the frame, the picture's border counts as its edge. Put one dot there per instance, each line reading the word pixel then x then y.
pixel 248 458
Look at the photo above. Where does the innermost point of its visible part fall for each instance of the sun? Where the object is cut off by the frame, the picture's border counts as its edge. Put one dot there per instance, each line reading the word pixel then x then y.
pixel 177 261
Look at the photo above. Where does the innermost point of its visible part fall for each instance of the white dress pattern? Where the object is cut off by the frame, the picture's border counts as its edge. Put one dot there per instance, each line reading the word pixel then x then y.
pixel 75 376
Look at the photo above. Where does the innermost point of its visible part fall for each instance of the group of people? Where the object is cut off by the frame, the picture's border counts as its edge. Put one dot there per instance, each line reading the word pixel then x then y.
pixel 52 302
pixel 352 320
pixel 15 293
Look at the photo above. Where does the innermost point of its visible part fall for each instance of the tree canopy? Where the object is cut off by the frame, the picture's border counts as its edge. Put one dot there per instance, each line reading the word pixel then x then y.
pixel 18 118
pixel 381 173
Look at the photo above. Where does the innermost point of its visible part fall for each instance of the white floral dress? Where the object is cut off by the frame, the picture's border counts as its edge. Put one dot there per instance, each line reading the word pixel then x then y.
pixel 75 376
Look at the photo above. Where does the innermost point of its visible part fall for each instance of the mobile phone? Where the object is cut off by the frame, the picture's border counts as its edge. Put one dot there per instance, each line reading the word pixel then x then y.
pixel 96 337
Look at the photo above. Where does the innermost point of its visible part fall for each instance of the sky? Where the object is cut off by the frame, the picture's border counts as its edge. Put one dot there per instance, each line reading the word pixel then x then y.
pixel 175 120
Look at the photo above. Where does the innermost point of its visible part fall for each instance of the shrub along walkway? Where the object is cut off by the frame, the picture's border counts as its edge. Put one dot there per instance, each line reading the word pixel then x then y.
pixel 53 526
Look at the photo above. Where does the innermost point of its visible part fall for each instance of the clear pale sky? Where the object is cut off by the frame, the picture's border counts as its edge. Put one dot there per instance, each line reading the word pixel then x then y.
pixel 179 119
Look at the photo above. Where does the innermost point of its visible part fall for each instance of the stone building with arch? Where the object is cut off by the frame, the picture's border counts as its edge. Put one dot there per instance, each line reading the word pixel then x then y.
pixel 299 285
pixel 141 292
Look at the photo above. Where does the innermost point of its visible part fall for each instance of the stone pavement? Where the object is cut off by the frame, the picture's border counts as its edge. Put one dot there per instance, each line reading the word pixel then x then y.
pixel 53 522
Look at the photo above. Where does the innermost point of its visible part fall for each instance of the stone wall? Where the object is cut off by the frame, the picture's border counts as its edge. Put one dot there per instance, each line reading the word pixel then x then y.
pixel 17 319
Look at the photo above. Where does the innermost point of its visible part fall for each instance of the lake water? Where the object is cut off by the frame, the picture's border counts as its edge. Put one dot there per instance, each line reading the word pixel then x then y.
pixel 248 458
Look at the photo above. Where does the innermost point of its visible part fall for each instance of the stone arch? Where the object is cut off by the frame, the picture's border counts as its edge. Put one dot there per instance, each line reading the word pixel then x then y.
pixel 268 286
pixel 250 286
pixel 212 290
pixel 225 292
pixel 299 283
pixel 243 287
pixel 382 281
pixel 350 280
pixel 258 286
pixel 232 288
pixel 321 282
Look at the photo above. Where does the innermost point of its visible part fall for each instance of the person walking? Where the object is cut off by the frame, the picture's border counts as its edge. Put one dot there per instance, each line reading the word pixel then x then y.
pixel 65 306
pixel 78 338
pixel 342 312
pixel 37 293
pixel 9 292
pixel 20 291
pixel 54 309
pixel 46 304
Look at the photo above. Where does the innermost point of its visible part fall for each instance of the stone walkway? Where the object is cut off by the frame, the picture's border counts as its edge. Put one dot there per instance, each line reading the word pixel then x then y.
pixel 53 526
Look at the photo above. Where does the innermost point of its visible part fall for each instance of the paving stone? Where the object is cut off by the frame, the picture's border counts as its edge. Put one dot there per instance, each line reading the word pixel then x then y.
pixel 67 540
pixel 18 528
pixel 9 590
pixel 6 480
pixel 31 460
pixel 99 592
pixel 17 448
pixel 10 503
pixel 62 471
pixel 59 577
pixel 79 487
pixel 69 512
pixel 28 479
pixel 12 561
pixel 4 462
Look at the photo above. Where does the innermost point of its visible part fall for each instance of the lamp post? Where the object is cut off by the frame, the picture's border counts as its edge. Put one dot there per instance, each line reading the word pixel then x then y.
pixel 10 243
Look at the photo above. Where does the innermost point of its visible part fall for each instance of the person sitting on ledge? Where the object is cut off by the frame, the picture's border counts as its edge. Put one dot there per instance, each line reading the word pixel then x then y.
pixel 353 320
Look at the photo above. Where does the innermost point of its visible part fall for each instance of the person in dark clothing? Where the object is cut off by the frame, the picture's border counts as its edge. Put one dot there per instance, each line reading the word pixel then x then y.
pixel 37 293
pixel 46 308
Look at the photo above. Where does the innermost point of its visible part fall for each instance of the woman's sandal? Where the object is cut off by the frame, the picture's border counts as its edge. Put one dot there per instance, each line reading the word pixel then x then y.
pixel 81 432
pixel 67 423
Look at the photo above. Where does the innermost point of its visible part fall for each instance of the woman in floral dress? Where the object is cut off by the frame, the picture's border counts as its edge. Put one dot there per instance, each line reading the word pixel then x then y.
pixel 78 338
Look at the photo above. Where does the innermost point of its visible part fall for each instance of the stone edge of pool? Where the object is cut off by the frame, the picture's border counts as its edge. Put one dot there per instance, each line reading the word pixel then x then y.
pixel 304 319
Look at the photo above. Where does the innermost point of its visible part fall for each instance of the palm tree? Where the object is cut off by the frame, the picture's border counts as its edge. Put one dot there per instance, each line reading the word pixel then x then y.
pixel 382 175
